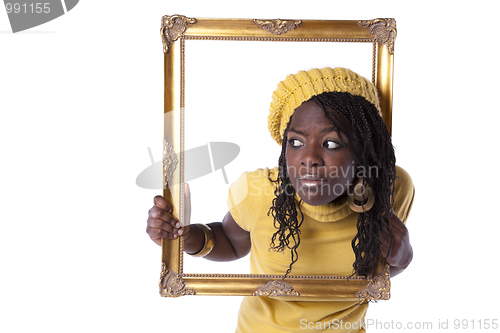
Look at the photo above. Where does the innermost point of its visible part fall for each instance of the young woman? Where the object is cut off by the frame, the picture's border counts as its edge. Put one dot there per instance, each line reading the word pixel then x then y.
pixel 336 204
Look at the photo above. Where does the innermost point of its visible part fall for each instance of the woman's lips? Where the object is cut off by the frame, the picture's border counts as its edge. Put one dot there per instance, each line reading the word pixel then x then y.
pixel 312 181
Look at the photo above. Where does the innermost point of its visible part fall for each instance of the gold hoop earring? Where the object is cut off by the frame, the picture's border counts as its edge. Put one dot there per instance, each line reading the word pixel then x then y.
pixel 361 198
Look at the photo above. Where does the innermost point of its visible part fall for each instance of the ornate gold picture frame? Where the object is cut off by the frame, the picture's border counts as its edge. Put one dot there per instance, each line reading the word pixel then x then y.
pixel 175 31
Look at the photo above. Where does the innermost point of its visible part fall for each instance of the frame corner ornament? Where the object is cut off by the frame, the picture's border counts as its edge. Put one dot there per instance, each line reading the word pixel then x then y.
pixel 383 30
pixel 276 288
pixel 170 162
pixel 378 287
pixel 173 27
pixel 171 284
pixel 278 26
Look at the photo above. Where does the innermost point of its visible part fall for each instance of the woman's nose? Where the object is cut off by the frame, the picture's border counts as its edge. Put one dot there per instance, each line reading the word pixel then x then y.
pixel 311 157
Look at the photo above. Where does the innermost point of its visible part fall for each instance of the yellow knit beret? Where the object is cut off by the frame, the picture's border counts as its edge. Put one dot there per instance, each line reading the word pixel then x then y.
pixel 299 88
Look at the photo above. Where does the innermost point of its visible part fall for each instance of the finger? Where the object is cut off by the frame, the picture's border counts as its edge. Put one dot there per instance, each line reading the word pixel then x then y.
pixel 156 234
pixel 399 229
pixel 388 248
pixel 160 202
pixel 385 230
pixel 397 233
pixel 385 240
pixel 158 213
pixel 384 250
pixel 160 224
pixel 396 222
pixel 390 237
pixel 172 226
pixel 185 230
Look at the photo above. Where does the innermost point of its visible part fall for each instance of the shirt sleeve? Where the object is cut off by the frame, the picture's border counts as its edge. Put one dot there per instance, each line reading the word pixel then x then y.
pixel 246 197
pixel 404 193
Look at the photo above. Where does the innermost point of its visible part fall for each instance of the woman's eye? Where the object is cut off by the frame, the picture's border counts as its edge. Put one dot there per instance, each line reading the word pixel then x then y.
pixel 331 144
pixel 295 143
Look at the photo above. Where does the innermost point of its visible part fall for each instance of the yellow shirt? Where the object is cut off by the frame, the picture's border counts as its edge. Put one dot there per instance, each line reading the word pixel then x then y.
pixel 325 248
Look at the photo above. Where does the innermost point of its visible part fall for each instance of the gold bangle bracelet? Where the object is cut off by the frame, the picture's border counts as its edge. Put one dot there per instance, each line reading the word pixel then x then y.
pixel 209 242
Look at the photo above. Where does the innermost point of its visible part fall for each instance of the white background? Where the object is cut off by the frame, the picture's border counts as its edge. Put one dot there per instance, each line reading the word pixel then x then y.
pixel 81 100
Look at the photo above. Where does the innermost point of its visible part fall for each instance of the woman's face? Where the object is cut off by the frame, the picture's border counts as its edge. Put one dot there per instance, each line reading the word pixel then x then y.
pixel 320 167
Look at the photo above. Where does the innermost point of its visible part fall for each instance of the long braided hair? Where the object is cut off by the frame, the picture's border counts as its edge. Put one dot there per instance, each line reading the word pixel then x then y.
pixel 375 152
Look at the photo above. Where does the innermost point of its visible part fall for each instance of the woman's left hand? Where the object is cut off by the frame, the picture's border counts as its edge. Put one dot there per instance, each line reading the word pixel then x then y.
pixel 401 252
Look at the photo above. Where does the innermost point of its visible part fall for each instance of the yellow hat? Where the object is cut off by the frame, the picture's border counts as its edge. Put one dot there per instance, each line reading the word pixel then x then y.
pixel 299 88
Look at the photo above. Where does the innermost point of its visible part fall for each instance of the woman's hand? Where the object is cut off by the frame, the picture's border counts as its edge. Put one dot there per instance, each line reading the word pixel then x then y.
pixel 231 242
pixel 401 252
pixel 161 223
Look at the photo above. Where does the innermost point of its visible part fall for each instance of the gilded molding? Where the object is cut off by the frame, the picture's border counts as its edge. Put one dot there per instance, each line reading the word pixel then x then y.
pixel 175 31
pixel 276 288
pixel 169 162
pixel 171 284
pixel 173 27
pixel 378 288
pixel 383 30
pixel 278 26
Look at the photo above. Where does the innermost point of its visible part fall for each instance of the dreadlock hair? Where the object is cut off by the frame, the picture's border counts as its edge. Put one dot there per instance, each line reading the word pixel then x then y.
pixel 369 135
pixel 284 210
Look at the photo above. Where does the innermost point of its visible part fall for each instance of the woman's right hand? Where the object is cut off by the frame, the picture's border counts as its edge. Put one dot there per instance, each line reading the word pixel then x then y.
pixel 161 223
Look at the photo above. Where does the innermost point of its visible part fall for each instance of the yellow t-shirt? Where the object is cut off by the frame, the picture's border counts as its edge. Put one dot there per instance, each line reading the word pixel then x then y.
pixel 325 248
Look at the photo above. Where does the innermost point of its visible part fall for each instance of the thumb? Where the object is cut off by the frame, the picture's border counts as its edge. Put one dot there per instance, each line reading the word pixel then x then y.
pixel 160 202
